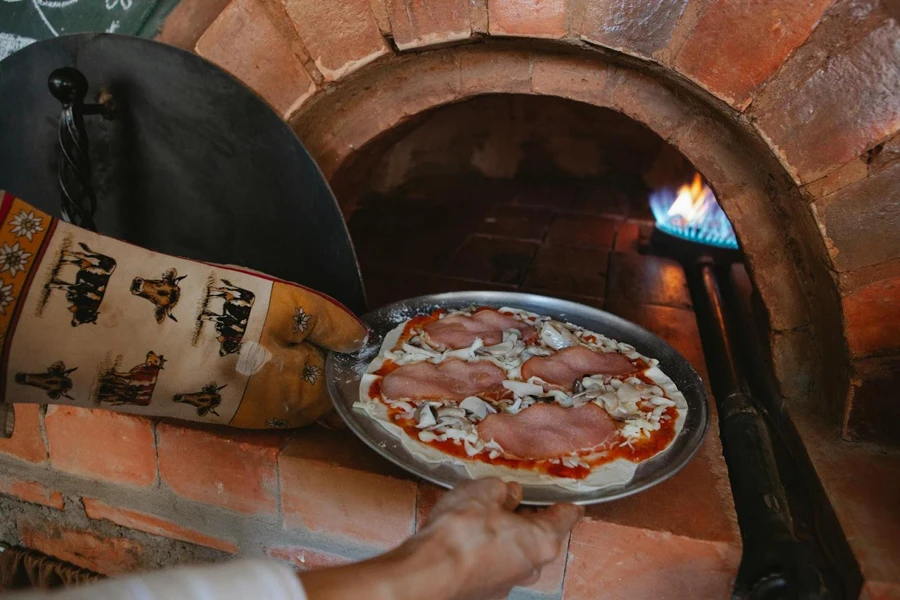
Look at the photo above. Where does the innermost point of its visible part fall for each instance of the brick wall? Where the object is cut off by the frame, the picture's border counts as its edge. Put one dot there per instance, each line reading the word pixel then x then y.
pixel 814 107
pixel 119 494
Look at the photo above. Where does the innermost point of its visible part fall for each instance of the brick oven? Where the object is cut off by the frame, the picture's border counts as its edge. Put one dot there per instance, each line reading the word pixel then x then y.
pixel 513 144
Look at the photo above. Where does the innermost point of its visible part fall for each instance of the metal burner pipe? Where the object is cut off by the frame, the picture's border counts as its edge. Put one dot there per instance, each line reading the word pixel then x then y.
pixel 770 565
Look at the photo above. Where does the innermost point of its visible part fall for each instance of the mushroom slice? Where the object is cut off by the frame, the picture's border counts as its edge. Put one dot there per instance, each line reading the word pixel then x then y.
pixel 425 417
pixel 451 411
pixel 417 351
pixel 523 388
pixel 427 436
pixel 555 335
pixel 477 407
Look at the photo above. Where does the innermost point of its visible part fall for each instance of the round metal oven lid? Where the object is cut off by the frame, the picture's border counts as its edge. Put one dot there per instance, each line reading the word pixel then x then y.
pixel 193 163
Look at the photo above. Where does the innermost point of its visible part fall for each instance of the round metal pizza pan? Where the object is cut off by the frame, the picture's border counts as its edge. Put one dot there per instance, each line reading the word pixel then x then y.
pixel 343 372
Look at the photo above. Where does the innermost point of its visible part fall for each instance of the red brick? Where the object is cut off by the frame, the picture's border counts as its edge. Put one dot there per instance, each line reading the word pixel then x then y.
pixel 427 496
pixel 229 468
pixel 567 270
pixel 431 80
pixel 698 502
pixel 632 235
pixel 439 284
pixel 496 71
pixel 861 221
pixel 592 301
pixel 332 485
pixel 646 100
pixel 792 362
pixel 884 155
pixel 384 287
pixel 627 563
pixel 261 52
pixel 527 18
pixel 877 590
pixel 495 260
pixel 576 78
pixel 420 23
pixel 868 314
pixel 677 326
pixel 109 556
pixel 636 278
pixel 836 96
pixel 852 172
pixel 724 53
pixel 380 12
pixel 188 20
pixel 852 280
pixel 306 559
pixel 873 406
pixel 478 14
pixel 544 195
pixel 101 444
pixel 366 108
pixel 26 442
pixel 341 36
pixel 582 230
pixel 601 199
pixel 639 27
pixel 31 491
pixel 516 222
pixel 862 484
pixel 96 509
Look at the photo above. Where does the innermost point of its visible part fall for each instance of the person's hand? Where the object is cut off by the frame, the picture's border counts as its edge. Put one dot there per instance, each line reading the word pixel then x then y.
pixel 496 548
pixel 474 547
pixel 91 321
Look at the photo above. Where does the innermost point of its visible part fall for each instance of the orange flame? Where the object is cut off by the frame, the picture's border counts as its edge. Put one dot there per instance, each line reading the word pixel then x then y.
pixel 694 200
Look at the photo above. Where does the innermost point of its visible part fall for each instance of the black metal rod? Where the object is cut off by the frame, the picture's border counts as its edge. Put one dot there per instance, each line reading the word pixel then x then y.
pixel 757 480
pixel 829 568
pixel 79 203
pixel 769 565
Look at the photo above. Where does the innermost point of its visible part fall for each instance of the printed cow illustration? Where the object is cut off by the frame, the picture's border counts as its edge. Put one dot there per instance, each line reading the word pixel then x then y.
pixel 163 293
pixel 205 401
pixel 231 323
pixel 85 294
pixel 131 387
pixel 55 381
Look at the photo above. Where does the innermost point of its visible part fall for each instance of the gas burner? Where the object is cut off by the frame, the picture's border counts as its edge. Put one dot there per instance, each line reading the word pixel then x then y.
pixel 692 213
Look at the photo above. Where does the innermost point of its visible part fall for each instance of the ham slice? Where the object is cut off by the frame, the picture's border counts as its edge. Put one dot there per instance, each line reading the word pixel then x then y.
pixel 548 430
pixel 460 331
pixel 454 379
pixel 572 363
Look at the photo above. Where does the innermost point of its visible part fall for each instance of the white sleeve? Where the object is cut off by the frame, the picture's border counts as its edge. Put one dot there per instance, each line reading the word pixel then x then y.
pixel 237 580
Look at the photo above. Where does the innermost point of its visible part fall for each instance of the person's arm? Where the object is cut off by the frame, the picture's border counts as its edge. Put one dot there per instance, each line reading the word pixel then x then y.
pixel 88 320
pixel 474 547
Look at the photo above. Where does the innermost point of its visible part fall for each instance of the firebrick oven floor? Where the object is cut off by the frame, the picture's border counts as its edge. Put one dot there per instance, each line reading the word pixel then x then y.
pixel 578 242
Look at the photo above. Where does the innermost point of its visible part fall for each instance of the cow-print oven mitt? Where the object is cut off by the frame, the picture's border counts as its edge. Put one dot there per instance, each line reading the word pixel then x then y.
pixel 87 320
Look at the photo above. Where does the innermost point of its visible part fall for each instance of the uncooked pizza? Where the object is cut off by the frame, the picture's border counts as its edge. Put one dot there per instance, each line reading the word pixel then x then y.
pixel 521 396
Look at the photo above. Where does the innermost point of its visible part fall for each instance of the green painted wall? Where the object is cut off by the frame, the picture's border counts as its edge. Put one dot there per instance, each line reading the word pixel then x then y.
pixel 25 21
